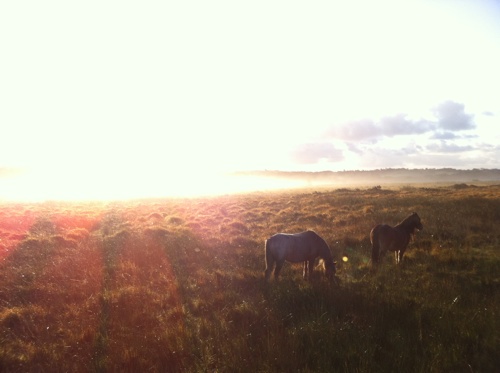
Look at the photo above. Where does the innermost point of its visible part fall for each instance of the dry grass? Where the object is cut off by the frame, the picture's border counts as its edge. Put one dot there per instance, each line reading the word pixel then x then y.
pixel 177 285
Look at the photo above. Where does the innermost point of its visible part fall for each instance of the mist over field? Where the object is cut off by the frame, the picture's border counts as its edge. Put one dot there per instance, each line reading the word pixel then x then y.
pixel 399 176
pixel 19 185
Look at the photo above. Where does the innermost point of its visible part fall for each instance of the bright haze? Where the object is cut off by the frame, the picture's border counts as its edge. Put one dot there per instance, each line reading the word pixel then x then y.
pixel 118 99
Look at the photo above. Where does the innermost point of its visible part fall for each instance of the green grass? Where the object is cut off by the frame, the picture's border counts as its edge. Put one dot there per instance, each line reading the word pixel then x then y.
pixel 177 285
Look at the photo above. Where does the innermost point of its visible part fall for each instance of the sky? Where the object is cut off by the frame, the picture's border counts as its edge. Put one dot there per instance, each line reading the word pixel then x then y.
pixel 118 94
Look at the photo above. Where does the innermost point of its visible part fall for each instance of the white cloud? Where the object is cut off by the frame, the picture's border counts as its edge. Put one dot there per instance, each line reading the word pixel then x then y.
pixel 311 153
pixel 451 116
pixel 447 116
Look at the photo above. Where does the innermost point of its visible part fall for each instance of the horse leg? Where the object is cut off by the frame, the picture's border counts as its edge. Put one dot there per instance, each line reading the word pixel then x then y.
pixel 269 267
pixel 382 253
pixel 270 259
pixel 310 268
pixel 396 256
pixel 268 271
pixel 378 252
pixel 401 253
pixel 279 265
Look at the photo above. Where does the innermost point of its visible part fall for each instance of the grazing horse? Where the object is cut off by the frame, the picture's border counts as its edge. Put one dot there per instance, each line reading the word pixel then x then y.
pixel 299 247
pixel 384 237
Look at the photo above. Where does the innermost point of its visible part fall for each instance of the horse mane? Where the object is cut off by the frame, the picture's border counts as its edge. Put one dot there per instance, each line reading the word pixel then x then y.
pixel 409 222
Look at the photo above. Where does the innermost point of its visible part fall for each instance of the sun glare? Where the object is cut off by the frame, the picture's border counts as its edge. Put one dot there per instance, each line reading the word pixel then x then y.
pixel 53 184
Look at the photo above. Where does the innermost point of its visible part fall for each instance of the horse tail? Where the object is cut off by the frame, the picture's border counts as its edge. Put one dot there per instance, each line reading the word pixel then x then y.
pixel 375 244
pixel 269 259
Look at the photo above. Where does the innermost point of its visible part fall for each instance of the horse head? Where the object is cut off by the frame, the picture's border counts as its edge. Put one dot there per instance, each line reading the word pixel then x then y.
pixel 416 221
pixel 330 269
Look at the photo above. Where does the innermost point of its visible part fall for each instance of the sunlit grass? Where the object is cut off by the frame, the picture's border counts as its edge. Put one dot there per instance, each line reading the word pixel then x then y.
pixel 177 285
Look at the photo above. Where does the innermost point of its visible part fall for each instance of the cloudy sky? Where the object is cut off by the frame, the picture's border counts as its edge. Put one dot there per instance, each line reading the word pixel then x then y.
pixel 101 88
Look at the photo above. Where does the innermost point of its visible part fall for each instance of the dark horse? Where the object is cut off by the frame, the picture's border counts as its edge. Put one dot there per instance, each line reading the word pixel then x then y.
pixel 384 237
pixel 299 247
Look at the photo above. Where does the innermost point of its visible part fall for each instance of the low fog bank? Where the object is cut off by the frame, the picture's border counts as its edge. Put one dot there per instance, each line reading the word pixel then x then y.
pixel 57 185
pixel 378 177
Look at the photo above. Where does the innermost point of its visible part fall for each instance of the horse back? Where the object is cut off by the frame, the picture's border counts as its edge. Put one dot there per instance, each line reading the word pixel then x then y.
pixel 295 247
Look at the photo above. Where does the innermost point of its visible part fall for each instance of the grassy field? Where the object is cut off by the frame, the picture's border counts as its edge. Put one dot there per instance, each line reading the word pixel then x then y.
pixel 176 285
